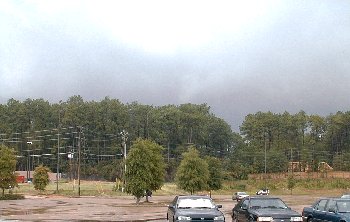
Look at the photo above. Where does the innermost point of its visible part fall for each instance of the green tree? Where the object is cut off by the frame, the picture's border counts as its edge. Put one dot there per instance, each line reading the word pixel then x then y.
pixel 41 177
pixel 193 173
pixel 215 173
pixel 7 168
pixel 291 183
pixel 145 168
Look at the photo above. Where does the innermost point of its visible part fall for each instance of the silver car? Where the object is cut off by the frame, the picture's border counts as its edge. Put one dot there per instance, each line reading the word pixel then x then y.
pixel 194 208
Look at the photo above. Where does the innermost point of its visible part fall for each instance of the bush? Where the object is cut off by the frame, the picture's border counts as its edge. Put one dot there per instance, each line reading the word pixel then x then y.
pixel 12 197
pixel 41 177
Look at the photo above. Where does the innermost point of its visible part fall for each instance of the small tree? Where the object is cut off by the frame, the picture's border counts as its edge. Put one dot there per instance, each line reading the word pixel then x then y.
pixel 192 174
pixel 215 173
pixel 41 177
pixel 7 168
pixel 145 168
pixel 291 183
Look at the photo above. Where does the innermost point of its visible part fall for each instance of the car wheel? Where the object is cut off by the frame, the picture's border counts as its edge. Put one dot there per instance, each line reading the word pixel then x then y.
pixel 309 219
pixel 251 219
pixel 234 218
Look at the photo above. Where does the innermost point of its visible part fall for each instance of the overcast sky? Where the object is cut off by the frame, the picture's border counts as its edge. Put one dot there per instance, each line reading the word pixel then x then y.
pixel 239 57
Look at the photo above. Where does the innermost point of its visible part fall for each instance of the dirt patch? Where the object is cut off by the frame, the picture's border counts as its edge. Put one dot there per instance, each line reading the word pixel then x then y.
pixel 122 208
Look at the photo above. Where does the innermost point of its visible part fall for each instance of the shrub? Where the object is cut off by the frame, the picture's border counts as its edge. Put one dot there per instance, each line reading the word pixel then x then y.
pixel 12 197
pixel 41 178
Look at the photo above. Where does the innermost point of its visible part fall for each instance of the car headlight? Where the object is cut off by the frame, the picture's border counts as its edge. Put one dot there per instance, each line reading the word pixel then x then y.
pixel 184 218
pixel 265 219
pixel 219 218
pixel 296 219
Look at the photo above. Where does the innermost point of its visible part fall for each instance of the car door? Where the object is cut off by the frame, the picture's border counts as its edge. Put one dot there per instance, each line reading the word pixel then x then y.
pixel 242 211
pixel 319 213
pixel 171 209
pixel 331 214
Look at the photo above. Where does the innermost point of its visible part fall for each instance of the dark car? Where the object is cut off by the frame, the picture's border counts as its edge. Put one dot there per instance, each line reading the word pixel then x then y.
pixel 328 209
pixel 264 209
pixel 194 208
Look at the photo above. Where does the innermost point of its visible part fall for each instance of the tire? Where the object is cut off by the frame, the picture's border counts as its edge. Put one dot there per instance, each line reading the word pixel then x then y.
pixel 234 218
pixel 309 219
pixel 251 219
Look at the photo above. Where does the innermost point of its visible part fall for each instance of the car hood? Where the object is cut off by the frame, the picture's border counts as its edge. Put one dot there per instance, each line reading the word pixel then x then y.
pixel 275 212
pixel 199 212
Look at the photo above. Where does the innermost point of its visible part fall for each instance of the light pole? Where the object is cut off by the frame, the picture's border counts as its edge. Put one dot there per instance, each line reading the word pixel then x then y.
pixel 124 134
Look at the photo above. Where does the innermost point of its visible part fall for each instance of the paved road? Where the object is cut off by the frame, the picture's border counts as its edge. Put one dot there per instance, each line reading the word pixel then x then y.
pixel 124 208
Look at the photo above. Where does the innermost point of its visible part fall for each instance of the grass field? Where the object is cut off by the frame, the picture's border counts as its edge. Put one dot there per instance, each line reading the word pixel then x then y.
pixel 329 186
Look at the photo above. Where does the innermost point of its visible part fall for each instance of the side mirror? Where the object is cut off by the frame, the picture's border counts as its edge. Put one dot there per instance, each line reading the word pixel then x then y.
pixel 219 206
pixel 171 206
pixel 244 207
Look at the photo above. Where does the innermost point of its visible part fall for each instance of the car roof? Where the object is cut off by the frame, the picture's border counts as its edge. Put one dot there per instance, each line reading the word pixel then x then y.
pixel 335 198
pixel 193 196
pixel 263 197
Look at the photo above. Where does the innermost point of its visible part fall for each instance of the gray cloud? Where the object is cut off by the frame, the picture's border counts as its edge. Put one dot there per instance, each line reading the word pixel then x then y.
pixel 296 57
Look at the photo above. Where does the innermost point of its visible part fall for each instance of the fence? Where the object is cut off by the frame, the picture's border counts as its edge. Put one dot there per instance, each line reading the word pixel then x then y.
pixel 302 175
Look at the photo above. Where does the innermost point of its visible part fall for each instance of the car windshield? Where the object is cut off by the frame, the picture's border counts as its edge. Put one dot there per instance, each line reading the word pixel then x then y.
pixel 195 203
pixel 343 206
pixel 267 203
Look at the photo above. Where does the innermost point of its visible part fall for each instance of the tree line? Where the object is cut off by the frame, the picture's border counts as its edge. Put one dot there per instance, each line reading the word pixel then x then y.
pixel 49 126
pixel 284 137
pixel 267 141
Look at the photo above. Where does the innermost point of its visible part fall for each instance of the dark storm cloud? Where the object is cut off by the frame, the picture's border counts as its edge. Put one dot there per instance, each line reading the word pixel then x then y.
pixel 296 58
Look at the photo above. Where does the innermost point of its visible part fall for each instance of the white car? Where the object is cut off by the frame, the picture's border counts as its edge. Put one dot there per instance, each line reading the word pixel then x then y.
pixel 263 192
pixel 239 196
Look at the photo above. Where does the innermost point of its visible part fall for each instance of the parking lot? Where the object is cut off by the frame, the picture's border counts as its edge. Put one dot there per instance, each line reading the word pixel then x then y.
pixel 123 208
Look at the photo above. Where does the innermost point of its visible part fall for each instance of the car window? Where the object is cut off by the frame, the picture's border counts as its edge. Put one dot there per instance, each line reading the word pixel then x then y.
pixel 321 205
pixel 195 203
pixel 330 204
pixel 343 206
pixel 267 203
pixel 245 204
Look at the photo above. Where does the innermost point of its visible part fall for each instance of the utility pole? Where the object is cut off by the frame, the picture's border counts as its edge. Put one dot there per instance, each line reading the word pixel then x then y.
pixel 124 134
pixel 168 151
pixel 28 160
pixel 58 151
pixel 265 158
pixel 79 157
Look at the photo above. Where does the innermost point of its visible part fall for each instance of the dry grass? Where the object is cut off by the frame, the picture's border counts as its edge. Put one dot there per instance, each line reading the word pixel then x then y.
pixel 330 187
